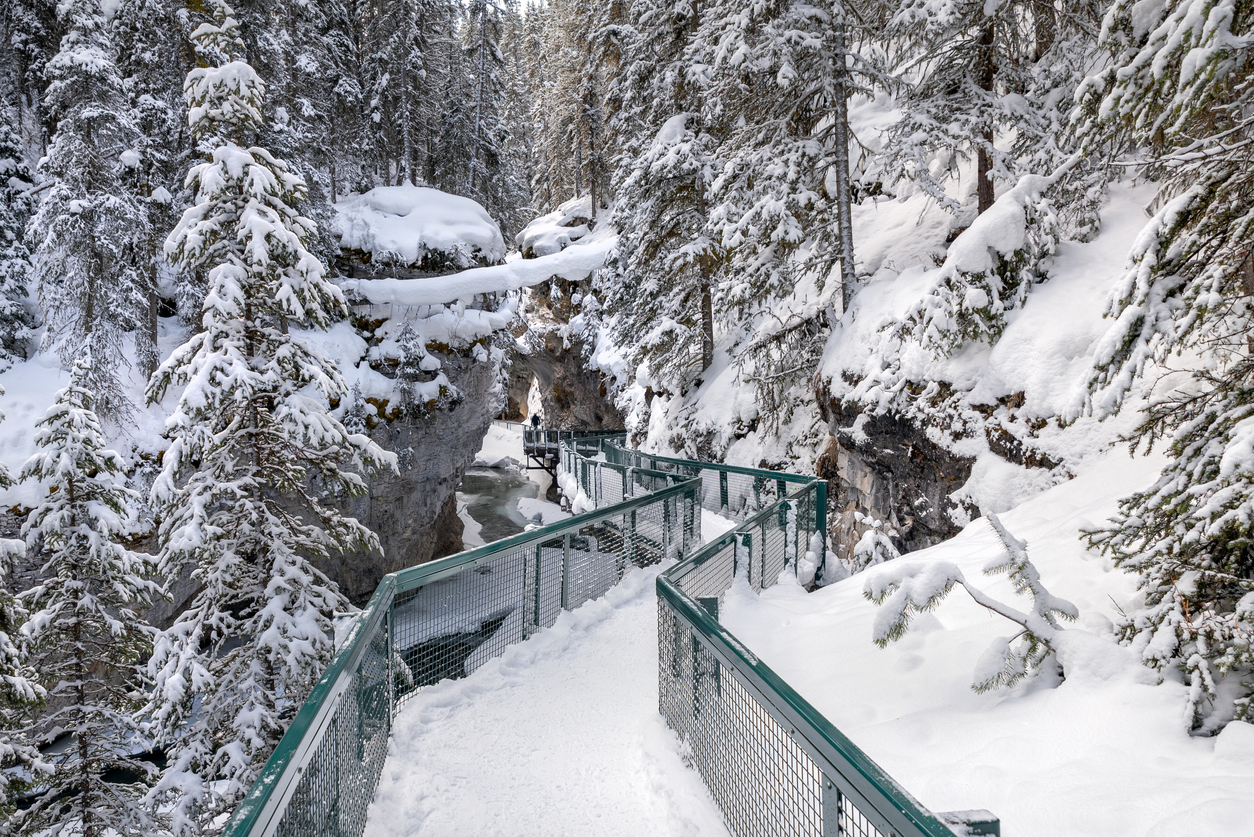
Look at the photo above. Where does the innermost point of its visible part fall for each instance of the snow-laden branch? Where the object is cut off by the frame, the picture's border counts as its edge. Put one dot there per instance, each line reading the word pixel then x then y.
pixel 906 588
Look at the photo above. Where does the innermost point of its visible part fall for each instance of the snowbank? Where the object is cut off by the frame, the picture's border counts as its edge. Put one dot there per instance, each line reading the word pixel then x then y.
pixel 1106 752
pixel 557 230
pixel 572 264
pixel 1044 355
pixel 406 224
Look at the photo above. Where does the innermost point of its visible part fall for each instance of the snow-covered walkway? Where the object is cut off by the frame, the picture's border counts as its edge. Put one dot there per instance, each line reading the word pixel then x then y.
pixel 559 736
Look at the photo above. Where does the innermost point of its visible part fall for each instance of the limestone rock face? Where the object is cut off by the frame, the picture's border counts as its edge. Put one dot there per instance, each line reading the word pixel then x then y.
pixel 414 513
pixel 887 469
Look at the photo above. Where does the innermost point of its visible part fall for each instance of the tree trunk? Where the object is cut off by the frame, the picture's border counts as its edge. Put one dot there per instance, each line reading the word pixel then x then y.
pixel 844 198
pixel 1044 25
pixel 407 147
pixel 707 318
pixel 985 194
pixel 592 172
pixel 707 296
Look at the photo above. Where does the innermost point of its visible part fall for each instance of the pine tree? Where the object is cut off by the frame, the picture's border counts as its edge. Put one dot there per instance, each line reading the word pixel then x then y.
pixel 20 691
pixel 875 546
pixel 88 232
pixel 152 59
pixel 250 456
pixel 968 59
pixel 412 67
pixel 15 266
pixel 568 120
pixel 782 73
pixel 661 294
pixel 493 179
pixel 1179 86
pixel 85 631
pixel 28 38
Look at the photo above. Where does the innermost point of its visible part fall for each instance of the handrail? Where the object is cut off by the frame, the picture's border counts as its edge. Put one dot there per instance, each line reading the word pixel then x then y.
pixel 852 778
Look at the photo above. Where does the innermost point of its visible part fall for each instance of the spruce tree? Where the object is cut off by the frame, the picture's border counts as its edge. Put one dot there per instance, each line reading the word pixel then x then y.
pixel 20 690
pixel 15 266
pixel 252 453
pixel 661 296
pixel 1179 85
pixel 152 59
pixel 783 72
pixel 86 631
pixel 493 179
pixel 968 64
pixel 89 230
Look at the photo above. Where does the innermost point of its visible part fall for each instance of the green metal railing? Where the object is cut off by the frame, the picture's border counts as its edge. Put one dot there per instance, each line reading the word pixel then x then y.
pixel 773 764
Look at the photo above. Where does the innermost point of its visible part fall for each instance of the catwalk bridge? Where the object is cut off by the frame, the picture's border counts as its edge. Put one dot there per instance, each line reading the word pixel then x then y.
pixel 772 763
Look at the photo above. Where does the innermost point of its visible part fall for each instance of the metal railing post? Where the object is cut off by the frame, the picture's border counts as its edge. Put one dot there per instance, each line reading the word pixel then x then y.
pixel 566 571
pixel 539 551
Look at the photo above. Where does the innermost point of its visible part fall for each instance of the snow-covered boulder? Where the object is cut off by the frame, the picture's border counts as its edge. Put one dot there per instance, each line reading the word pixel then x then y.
pixel 557 230
pixel 415 226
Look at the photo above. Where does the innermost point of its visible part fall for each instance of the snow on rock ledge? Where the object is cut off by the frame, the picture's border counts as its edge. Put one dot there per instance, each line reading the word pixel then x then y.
pixel 554 232
pixel 413 225
pixel 572 264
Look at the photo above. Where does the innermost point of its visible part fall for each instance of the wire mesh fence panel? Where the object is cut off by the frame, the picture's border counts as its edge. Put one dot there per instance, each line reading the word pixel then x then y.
pixel 448 628
pixel 597 561
pixel 713 576
pixel 336 786
pixel 762 780
pixel 772 537
pixel 546 570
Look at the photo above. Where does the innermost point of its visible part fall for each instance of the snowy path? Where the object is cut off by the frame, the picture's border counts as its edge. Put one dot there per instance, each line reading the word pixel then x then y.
pixel 561 735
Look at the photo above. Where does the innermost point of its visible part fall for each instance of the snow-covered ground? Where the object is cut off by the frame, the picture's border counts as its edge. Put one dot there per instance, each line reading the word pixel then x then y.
pixel 1106 752
pixel 560 735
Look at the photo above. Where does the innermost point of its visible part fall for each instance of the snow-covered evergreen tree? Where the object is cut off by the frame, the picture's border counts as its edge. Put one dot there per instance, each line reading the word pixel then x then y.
pixel 20 691
pixel 493 181
pixel 875 546
pixel 89 230
pixel 1180 87
pixel 661 295
pixel 668 261
pixel 27 40
pixel 86 631
pixel 152 62
pixel 783 72
pixel 15 266
pixel 567 89
pixel 252 452
pixel 967 65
